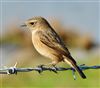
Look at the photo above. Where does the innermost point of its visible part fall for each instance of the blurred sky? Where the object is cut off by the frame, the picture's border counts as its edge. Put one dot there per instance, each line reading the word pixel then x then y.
pixel 84 15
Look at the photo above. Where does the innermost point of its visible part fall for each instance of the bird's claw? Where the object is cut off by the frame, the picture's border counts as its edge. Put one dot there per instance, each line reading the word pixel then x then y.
pixel 41 66
pixel 54 69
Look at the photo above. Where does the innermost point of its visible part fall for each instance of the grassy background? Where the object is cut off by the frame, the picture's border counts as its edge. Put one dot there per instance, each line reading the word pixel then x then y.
pixel 48 79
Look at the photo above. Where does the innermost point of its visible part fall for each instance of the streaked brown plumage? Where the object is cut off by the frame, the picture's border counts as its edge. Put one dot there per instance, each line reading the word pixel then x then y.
pixel 48 43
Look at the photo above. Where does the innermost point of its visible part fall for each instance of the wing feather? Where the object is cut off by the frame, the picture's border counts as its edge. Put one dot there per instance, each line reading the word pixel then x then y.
pixel 52 40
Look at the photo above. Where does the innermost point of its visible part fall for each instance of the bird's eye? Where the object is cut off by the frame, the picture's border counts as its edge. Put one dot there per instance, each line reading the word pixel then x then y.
pixel 32 23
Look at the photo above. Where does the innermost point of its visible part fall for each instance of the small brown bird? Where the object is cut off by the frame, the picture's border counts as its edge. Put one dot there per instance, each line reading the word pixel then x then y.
pixel 48 43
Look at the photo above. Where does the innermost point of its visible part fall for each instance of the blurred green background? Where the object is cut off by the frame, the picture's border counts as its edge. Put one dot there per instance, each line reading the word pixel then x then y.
pixel 76 22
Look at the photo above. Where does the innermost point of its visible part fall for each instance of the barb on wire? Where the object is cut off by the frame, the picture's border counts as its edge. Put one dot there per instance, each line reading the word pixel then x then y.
pixel 41 68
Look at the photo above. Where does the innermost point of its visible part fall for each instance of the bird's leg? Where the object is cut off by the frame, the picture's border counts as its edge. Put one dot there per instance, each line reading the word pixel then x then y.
pixel 45 65
pixel 53 64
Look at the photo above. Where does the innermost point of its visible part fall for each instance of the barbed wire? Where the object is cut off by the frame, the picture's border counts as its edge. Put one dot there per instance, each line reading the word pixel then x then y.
pixel 41 68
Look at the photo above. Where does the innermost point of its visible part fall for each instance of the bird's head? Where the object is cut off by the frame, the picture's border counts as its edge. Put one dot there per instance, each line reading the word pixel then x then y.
pixel 36 23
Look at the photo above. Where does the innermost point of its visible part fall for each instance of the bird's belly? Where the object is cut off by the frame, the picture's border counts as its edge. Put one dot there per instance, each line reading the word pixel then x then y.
pixel 42 48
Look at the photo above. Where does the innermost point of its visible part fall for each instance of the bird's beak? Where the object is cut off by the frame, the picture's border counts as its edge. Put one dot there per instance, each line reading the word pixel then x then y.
pixel 23 25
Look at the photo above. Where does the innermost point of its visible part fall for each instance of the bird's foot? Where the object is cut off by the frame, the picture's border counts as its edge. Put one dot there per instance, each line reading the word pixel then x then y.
pixel 54 68
pixel 40 66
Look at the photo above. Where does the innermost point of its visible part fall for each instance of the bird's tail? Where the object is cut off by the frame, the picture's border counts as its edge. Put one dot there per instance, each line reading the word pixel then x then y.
pixel 73 64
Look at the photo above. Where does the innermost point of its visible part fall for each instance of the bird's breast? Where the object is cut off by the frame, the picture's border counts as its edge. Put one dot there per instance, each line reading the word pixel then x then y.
pixel 40 47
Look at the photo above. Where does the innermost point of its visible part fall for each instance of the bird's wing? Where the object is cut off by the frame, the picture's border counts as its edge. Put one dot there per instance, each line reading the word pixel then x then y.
pixel 52 40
